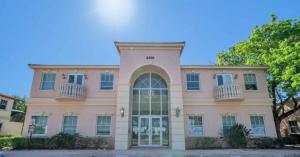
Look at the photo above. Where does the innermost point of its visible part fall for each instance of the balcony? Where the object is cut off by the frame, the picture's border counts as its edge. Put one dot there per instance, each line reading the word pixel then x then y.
pixel 71 91
pixel 228 92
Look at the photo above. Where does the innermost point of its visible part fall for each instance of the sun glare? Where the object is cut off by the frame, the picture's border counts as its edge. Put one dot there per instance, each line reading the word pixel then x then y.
pixel 115 12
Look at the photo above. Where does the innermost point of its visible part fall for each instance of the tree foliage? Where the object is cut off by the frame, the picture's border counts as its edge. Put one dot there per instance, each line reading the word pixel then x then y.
pixel 19 109
pixel 276 45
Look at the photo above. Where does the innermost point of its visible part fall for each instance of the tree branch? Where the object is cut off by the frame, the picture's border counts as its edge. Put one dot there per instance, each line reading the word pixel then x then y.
pixel 288 113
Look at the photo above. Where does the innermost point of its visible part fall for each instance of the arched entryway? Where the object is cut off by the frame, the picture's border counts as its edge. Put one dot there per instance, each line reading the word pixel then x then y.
pixel 149 111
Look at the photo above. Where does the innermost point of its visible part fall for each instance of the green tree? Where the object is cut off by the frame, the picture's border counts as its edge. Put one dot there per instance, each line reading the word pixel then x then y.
pixel 19 109
pixel 276 45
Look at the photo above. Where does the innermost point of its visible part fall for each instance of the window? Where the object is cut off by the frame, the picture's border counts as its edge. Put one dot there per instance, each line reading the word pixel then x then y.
pixel 192 81
pixel 76 79
pixel 40 123
pixel 195 126
pixel 228 122
pixel 250 82
pixel 295 129
pixel 257 125
pixel 0 127
pixel 224 79
pixel 104 125
pixel 48 81
pixel 70 124
pixel 107 81
pixel 3 104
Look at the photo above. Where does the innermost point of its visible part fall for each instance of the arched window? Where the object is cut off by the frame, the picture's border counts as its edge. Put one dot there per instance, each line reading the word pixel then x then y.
pixel 150 80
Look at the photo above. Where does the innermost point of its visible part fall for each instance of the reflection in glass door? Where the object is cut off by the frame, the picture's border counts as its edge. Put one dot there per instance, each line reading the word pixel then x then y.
pixel 150 133
pixel 156 131
pixel 144 131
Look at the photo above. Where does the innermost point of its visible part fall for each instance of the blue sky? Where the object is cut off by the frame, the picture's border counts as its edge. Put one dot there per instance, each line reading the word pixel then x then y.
pixel 79 32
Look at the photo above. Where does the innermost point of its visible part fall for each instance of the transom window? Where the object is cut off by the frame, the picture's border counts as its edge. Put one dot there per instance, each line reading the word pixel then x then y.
pixel 192 81
pixel 3 104
pixel 150 95
pixel 76 79
pixel 228 122
pixel 195 126
pixel 150 80
pixel 48 81
pixel 250 81
pixel 107 81
pixel 103 125
pixel 70 124
pixel 257 125
pixel 41 124
pixel 224 79
pixel 295 129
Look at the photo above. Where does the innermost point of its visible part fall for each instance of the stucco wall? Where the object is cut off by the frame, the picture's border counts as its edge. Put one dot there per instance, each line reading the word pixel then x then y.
pixel 10 128
pixel 5 114
pixel 87 113
pixel 212 116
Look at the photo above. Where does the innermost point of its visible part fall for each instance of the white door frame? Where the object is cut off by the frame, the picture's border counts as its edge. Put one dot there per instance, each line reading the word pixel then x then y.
pixel 150 144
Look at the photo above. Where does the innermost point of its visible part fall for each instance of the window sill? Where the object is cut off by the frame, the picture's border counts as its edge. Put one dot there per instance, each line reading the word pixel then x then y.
pixel 39 135
pixel 104 135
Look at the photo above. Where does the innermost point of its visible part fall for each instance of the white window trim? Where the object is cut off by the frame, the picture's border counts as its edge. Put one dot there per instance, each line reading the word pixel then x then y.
pixel 75 78
pixel 41 82
pixel 258 135
pixel 297 126
pixel 186 82
pixel 200 115
pixel 251 90
pixel 3 105
pixel 223 74
pixel 110 134
pixel 46 129
pixel 235 119
pixel 113 82
pixel 63 120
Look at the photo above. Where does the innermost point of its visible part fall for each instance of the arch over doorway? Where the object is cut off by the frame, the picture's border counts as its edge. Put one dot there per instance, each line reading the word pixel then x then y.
pixel 149 109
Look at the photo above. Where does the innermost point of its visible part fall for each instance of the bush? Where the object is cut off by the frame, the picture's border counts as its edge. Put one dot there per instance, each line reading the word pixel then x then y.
pixel 58 141
pixel 6 141
pixel 262 143
pixel 63 141
pixel 291 139
pixel 202 143
pixel 20 143
pixel 237 136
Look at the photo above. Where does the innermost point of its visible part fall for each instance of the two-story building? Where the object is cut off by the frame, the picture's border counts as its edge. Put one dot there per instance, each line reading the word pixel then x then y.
pixel 8 127
pixel 150 99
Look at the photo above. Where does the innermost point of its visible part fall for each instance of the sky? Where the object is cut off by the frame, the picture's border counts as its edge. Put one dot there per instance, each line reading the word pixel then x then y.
pixel 84 31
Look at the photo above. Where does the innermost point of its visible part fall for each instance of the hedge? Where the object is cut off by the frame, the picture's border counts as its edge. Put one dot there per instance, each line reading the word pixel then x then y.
pixel 202 143
pixel 58 141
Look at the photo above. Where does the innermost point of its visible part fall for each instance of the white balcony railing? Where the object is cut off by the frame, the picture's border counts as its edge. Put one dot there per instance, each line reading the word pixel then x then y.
pixel 71 91
pixel 228 92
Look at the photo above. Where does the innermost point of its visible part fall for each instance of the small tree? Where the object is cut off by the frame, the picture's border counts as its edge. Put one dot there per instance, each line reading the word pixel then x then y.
pixel 276 45
pixel 19 107
pixel 237 136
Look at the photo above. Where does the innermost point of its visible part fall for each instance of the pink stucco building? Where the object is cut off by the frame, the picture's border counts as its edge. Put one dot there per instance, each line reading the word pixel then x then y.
pixel 150 99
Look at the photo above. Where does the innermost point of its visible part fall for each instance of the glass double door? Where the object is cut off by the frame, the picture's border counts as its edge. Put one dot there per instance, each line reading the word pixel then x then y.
pixel 150 133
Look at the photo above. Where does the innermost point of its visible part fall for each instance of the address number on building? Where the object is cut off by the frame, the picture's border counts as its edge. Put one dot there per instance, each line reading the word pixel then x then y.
pixel 150 57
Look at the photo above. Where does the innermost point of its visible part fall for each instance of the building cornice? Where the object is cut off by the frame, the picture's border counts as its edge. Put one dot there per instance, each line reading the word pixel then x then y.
pixel 222 67
pixel 150 45
pixel 6 96
pixel 60 66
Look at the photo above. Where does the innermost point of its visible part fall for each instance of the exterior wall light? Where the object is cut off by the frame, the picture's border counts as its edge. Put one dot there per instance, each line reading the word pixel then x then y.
pixel 85 76
pixel 177 112
pixel 63 76
pixel 122 110
pixel 235 76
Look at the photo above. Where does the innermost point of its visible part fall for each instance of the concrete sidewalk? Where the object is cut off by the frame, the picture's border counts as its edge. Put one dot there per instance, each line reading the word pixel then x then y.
pixel 156 153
